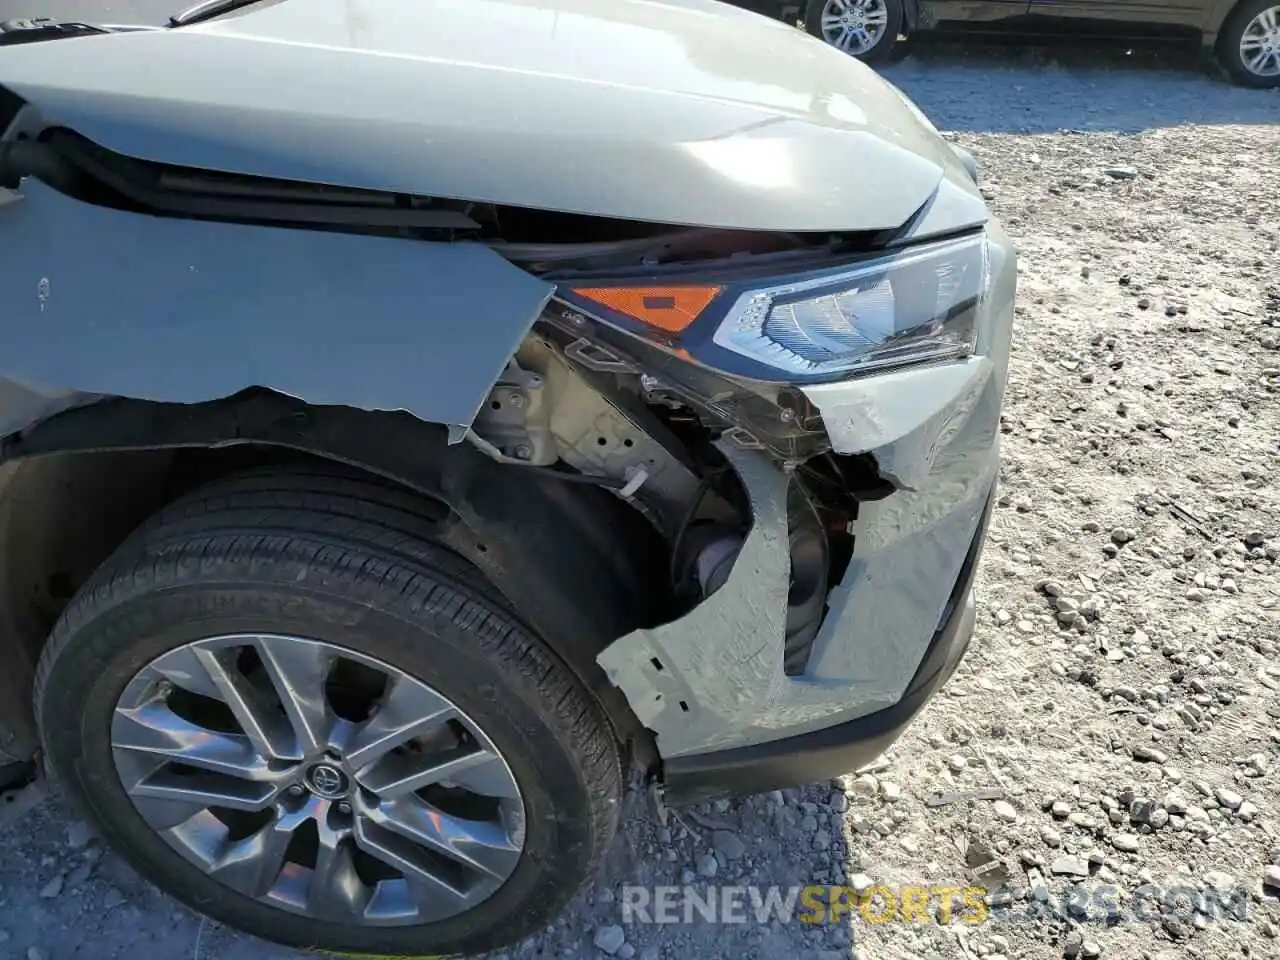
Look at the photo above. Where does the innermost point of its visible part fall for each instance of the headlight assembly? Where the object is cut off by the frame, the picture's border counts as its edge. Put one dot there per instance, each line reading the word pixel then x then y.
pixel 919 304
pixel 914 305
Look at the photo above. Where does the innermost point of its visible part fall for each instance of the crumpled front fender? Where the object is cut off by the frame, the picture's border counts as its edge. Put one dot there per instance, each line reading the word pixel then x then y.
pixel 98 301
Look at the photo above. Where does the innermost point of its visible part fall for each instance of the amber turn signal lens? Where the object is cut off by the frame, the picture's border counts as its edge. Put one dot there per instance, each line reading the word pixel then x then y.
pixel 670 309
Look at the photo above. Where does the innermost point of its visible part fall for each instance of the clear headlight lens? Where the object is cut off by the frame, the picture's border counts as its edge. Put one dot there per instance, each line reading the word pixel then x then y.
pixel 919 304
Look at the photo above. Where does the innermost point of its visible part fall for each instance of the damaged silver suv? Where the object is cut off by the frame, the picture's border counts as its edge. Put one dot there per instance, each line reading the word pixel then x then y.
pixel 418 416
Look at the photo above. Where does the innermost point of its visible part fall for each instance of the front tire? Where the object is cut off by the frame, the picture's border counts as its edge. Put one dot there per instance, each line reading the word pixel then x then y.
pixel 1249 44
pixel 866 29
pixel 286 707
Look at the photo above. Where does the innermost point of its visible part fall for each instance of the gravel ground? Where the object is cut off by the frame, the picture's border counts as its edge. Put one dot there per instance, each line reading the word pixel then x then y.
pixel 1120 706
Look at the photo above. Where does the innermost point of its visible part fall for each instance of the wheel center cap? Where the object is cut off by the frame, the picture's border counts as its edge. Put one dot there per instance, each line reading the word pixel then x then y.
pixel 326 780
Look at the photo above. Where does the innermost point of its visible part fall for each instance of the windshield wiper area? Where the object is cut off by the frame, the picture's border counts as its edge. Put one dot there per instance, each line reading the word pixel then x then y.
pixel 44 28
pixel 207 10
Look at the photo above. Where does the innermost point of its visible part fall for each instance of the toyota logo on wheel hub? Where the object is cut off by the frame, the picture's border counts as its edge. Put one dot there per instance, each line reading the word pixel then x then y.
pixel 327 781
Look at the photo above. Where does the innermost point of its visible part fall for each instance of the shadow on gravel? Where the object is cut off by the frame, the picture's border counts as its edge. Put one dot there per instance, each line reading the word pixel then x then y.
pixel 755 877
pixel 64 896
pixel 1005 89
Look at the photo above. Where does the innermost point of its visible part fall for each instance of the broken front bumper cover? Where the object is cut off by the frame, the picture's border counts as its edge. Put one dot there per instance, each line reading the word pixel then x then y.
pixel 838 749
pixel 712 682
pixel 714 679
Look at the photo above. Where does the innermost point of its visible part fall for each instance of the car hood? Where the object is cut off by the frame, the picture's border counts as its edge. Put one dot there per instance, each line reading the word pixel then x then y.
pixel 674 111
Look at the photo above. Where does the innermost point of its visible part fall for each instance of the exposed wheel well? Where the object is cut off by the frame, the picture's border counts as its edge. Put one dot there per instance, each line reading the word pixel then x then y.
pixel 577 563
pixel 60 517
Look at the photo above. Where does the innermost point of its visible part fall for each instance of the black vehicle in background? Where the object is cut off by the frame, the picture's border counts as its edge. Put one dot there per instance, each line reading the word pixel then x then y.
pixel 1243 34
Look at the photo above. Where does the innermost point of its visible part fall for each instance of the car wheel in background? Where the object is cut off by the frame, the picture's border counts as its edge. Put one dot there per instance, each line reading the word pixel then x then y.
pixel 290 709
pixel 866 29
pixel 1249 43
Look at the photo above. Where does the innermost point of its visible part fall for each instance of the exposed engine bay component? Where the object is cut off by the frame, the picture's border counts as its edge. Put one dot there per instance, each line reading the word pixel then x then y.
pixel 754 415
pixel 594 357
pixel 545 410
pixel 552 410
pixel 514 423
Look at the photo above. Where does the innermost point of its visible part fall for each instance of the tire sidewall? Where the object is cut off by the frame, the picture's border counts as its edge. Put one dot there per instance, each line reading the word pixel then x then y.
pixel 114 644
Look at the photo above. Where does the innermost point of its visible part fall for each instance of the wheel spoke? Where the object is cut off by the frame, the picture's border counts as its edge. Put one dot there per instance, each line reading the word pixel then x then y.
pixel 298 670
pixel 336 890
pixel 266 729
pixel 400 774
pixel 205 789
pixel 165 814
pixel 481 845
pixel 253 864
pixel 185 668
pixel 1258 55
pixel 433 892
pixel 155 729
pixel 489 779
pixel 201 837
pixel 408 710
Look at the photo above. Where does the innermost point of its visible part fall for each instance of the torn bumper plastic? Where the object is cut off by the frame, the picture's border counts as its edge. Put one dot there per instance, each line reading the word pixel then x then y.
pixel 714 681
pixel 837 749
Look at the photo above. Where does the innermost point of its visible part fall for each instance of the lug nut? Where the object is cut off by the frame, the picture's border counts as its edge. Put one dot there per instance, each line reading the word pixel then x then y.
pixel 296 790
pixel 344 806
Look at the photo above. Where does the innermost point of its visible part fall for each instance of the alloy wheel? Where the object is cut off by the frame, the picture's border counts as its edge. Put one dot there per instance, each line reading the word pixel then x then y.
pixel 1260 44
pixel 318 780
pixel 854 26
